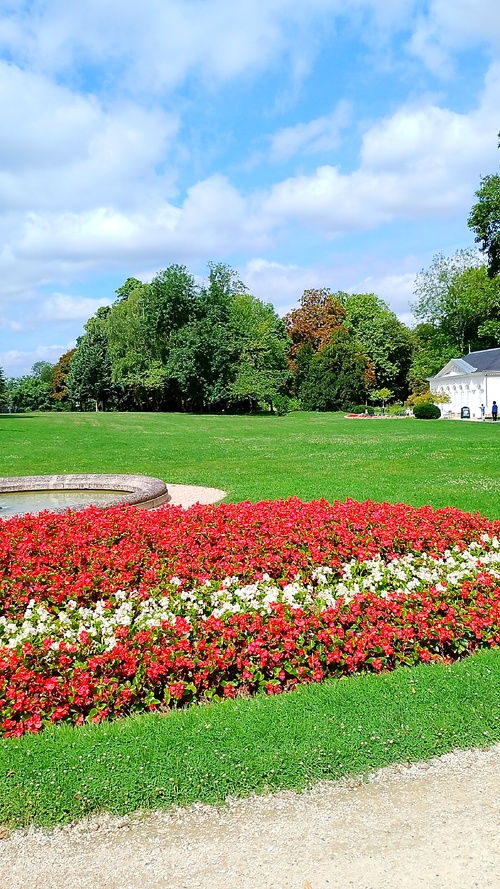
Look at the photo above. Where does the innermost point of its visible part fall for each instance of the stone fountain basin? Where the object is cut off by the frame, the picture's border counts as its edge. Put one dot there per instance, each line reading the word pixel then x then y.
pixel 137 490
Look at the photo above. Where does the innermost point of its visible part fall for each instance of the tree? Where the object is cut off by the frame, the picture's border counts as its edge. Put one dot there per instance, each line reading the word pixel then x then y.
pixel 484 220
pixel 339 375
pixel 30 393
pixel 302 365
pixel 456 297
pixel 319 315
pixel 167 304
pixel 127 288
pixel 131 344
pixel 200 365
pixel 432 349
pixel 382 395
pixel 60 375
pixel 385 340
pixel 261 346
pixel 89 378
pixel 43 371
pixel 3 390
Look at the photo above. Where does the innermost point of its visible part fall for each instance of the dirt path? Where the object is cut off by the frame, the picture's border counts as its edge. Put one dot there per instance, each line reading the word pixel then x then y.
pixel 434 825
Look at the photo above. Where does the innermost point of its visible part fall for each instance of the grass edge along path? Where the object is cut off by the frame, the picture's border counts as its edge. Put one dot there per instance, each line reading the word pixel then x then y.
pixel 234 748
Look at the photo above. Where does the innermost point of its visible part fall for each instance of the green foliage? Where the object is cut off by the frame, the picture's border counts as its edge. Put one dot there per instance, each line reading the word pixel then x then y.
pixel 484 220
pixel 363 409
pixel 204 754
pixel 384 339
pixel 426 410
pixel 457 306
pixel 431 351
pixel 261 350
pixel 456 297
pixel 382 395
pixel 89 381
pixel 282 405
pixel 338 376
pixel 30 394
pixel 42 370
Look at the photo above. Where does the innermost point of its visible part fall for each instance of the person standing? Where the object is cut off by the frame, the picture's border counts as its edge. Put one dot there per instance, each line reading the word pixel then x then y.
pixel 494 410
pixel 483 411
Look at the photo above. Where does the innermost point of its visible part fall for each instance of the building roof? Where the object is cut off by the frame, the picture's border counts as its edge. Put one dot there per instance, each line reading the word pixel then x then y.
pixel 487 359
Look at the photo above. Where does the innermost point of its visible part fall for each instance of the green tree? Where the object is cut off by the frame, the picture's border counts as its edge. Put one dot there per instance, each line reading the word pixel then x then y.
pixel 339 375
pixel 384 395
pixel 134 363
pixel 432 349
pixel 127 288
pixel 456 296
pixel 30 393
pixel 384 339
pixel 89 381
pixel 484 220
pixel 167 304
pixel 43 371
pixel 303 360
pixel 3 390
pixel 261 346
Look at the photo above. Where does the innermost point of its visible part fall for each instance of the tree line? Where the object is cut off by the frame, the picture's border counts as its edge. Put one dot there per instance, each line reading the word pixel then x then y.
pixel 175 344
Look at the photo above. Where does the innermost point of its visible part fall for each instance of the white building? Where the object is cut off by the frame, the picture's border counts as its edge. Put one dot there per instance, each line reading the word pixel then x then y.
pixel 469 381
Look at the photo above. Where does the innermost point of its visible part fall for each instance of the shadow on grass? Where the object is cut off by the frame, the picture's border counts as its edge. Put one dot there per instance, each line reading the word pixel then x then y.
pixel 19 416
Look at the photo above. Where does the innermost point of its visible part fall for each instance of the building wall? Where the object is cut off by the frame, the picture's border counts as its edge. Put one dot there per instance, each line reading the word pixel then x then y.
pixel 468 391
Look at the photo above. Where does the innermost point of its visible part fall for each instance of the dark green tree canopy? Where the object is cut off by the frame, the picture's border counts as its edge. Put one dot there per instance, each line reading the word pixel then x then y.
pixel 340 375
pixel 384 339
pixel 484 220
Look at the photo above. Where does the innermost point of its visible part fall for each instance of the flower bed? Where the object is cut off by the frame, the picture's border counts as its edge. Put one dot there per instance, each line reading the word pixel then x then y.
pixel 105 613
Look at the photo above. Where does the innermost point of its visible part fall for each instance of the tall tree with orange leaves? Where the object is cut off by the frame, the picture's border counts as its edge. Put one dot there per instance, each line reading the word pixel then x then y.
pixel 319 315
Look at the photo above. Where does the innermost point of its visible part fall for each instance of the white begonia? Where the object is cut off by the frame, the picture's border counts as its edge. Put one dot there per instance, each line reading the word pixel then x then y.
pixel 328 588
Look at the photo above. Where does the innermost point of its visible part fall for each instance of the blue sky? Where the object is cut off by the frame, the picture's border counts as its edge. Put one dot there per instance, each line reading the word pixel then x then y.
pixel 320 143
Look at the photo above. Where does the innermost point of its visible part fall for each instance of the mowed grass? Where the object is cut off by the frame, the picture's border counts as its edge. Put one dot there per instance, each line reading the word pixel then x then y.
pixel 308 455
pixel 338 728
pixel 207 753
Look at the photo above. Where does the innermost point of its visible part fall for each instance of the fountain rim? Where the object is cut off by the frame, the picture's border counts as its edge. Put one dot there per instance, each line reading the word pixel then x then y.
pixel 138 490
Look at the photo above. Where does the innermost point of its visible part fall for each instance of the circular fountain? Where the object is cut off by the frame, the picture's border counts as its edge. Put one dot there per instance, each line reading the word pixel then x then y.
pixel 58 493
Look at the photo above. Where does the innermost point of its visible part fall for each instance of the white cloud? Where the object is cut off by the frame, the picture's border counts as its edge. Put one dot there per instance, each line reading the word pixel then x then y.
pixel 450 27
pixel 16 363
pixel 422 162
pixel 62 307
pixel 106 207
pixel 62 150
pixel 395 290
pixel 155 45
pixel 281 284
pixel 321 134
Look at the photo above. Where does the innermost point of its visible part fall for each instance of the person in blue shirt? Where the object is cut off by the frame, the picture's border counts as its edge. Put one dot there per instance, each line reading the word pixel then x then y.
pixel 494 410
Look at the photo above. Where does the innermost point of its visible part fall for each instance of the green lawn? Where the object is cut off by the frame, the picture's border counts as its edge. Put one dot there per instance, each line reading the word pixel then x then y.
pixel 207 753
pixel 309 455
pixel 339 728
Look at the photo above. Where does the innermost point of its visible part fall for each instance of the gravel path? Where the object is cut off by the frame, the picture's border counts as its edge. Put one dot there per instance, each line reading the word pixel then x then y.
pixel 430 825
pixel 188 495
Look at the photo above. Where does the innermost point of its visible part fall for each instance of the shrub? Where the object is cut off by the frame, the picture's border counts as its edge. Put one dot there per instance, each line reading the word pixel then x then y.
pixel 282 405
pixel 426 411
pixel 395 409
pixel 362 409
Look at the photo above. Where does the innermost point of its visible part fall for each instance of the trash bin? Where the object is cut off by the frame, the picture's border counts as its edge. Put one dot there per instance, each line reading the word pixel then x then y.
pixel 465 413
